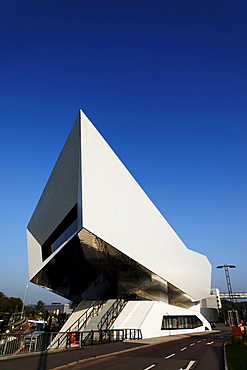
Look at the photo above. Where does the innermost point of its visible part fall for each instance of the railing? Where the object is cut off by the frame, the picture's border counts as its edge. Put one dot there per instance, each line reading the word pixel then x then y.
pixel 111 314
pixel 236 295
pixel 14 344
pixel 108 336
pixel 21 344
pixel 79 323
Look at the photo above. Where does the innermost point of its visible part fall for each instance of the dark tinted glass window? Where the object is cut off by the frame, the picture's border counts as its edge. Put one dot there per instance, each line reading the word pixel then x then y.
pixel 180 322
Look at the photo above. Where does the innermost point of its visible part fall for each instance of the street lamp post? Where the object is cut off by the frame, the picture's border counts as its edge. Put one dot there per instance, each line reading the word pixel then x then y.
pixel 228 281
pixel 24 301
pixel 233 318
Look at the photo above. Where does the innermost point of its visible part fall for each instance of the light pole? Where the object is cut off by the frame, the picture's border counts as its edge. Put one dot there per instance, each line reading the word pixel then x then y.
pixel 233 318
pixel 228 281
pixel 232 314
pixel 24 300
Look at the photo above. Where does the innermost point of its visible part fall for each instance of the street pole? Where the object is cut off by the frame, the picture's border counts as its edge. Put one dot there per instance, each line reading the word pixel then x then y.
pixel 228 281
pixel 24 300
pixel 232 314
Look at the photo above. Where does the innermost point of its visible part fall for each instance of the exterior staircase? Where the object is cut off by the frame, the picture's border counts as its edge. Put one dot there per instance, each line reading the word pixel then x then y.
pixel 95 320
pixel 76 322
pixel 89 316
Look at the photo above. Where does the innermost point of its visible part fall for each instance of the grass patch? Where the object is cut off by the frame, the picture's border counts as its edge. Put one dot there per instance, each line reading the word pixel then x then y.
pixel 236 353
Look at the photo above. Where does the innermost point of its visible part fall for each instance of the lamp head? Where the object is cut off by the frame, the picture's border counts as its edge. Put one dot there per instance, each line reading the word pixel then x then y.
pixel 231 266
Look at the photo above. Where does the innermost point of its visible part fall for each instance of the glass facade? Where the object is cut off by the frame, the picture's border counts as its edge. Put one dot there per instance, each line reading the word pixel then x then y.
pixel 88 268
pixel 67 227
pixel 180 322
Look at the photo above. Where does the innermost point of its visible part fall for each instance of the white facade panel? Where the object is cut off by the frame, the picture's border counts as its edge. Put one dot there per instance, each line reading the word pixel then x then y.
pixel 61 191
pixel 117 210
pixel 34 255
pixel 112 206
pixel 148 316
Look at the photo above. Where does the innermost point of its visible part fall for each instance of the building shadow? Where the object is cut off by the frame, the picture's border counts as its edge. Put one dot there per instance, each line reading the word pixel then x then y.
pixel 42 364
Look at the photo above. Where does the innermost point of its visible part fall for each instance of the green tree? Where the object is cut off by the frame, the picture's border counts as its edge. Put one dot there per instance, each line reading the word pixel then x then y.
pixel 3 304
pixel 9 305
pixel 228 305
pixel 40 310
pixel 14 305
pixel 30 311
pixel 40 306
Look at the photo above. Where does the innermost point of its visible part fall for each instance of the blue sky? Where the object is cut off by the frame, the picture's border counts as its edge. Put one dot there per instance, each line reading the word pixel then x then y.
pixel 165 84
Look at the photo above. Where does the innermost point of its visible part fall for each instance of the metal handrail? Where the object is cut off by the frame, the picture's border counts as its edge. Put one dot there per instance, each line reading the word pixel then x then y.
pixel 81 322
pixel 111 314
pixel 21 344
pixel 109 335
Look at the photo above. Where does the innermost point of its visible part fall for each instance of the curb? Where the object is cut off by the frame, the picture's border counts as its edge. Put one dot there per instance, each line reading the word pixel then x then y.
pixel 78 362
pixel 225 359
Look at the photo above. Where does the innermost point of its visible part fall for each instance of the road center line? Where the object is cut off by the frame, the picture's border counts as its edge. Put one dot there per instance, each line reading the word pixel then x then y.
pixel 149 367
pixel 192 344
pixel 183 349
pixel 173 354
pixel 208 344
pixel 199 341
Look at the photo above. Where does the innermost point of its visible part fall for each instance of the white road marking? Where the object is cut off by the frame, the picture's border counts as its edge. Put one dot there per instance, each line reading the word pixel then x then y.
pixel 182 349
pixel 199 341
pixel 191 363
pixel 192 344
pixel 208 344
pixel 173 354
pixel 149 367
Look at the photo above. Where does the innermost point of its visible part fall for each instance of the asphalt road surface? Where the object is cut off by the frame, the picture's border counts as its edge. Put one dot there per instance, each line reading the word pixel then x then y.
pixel 204 352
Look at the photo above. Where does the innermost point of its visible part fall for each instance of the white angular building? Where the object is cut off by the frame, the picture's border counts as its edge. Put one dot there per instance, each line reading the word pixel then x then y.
pixel 95 235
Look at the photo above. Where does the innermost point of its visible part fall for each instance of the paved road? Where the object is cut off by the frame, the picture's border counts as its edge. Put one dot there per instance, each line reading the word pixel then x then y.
pixel 197 352
pixel 51 360
pixel 202 352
